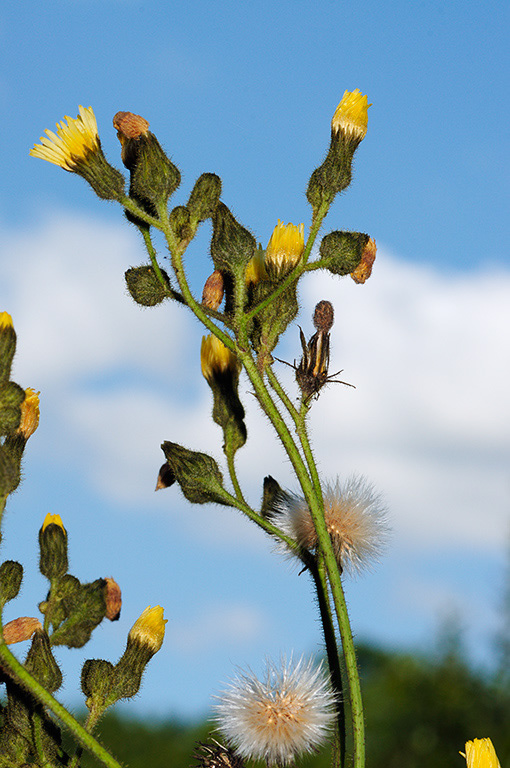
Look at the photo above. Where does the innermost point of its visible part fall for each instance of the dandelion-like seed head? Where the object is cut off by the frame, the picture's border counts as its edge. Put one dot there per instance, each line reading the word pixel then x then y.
pixel 289 712
pixel 355 518
pixel 480 753
pixel 351 115
pixel 285 247
pixel 73 142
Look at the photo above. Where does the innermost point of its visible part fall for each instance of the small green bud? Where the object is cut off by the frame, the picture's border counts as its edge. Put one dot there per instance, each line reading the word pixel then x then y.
pixel 197 473
pixel 41 663
pixel 153 175
pixel 9 471
pixel 145 287
pixel 341 252
pixel 180 223
pixel 232 246
pixel 11 576
pixel 7 345
pixel 11 398
pixel 53 562
pixel 204 197
pixel 97 678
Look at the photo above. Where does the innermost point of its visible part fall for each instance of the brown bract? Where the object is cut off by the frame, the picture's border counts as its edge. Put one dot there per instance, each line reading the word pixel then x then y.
pixel 20 629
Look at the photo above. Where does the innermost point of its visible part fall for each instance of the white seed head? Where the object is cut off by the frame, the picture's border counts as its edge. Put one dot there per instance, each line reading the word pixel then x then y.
pixel 290 711
pixel 355 517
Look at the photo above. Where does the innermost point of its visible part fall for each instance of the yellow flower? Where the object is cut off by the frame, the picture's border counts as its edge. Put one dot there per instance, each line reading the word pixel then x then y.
pixel 215 358
pixel 29 413
pixel 72 143
pixel 5 320
pixel 480 753
pixel 149 629
pixel 256 269
pixel 351 115
pixel 285 247
pixel 53 519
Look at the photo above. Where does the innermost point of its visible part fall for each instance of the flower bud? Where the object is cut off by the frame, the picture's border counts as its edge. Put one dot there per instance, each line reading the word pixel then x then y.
pixel 7 345
pixel 9 471
pixel 144 640
pixel 364 269
pixel 180 223
pixel 145 287
pixel 11 399
pixel 348 128
pixel 18 630
pixel 83 607
pixel 76 148
pixel 341 252
pixel 53 562
pixel 41 663
pixel 204 197
pixel 198 474
pixel 97 680
pixel 11 576
pixel 153 175
pixel 232 246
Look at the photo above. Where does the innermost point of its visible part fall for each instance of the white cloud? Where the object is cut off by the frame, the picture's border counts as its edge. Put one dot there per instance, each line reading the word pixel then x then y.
pixel 217 626
pixel 428 352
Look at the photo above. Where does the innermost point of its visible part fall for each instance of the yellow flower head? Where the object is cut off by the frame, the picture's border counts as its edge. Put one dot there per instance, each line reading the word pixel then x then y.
pixel 5 320
pixel 72 143
pixel 215 358
pixel 149 629
pixel 29 413
pixel 285 247
pixel 351 115
pixel 256 269
pixel 53 519
pixel 480 753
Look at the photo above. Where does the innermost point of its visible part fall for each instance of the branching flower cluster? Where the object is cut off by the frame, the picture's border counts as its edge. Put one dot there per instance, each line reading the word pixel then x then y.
pixel 249 299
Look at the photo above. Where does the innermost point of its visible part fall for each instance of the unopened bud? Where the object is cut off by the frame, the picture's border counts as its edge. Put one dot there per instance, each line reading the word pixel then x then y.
pixel 53 561
pixel 97 680
pixel 144 640
pixel 214 288
pixel 20 629
pixel 204 197
pixel 11 575
pixel 232 246
pixel 341 252
pixel 41 663
pixel 145 286
pixel 180 223
pixel 364 268
pixel 198 474
pixel 7 345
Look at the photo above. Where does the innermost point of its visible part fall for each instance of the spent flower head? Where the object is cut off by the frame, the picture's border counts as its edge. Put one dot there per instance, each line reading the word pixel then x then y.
pixel 355 517
pixel 351 115
pixel 73 142
pixel 290 711
pixel 149 629
pixel 480 753
pixel 285 248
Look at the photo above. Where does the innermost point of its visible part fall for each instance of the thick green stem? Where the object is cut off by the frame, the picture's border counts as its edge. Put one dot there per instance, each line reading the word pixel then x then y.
pixel 13 667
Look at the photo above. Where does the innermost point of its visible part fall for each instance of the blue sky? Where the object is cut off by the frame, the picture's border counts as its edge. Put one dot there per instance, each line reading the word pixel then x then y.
pixel 248 91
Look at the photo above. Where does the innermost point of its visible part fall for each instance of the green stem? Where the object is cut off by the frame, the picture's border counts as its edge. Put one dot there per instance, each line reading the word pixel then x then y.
pixel 24 678
pixel 319 576
pixel 230 454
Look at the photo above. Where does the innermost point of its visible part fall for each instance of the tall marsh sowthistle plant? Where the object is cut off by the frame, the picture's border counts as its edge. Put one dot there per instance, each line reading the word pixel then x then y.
pixel 329 526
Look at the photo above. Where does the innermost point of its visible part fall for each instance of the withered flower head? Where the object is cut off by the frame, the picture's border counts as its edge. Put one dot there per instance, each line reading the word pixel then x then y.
pixel 29 413
pixel 364 268
pixel 130 126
